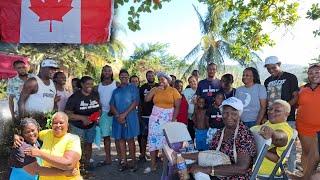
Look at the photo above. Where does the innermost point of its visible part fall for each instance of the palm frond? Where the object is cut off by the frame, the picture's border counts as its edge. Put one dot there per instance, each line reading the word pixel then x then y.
pixel 192 53
pixel 189 69
pixel 201 21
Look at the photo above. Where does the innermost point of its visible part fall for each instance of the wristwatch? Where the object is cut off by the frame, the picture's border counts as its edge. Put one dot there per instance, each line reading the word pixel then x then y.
pixel 212 171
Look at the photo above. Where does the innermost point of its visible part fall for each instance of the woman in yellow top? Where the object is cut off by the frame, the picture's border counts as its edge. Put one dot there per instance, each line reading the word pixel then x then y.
pixel 166 101
pixel 60 149
pixel 279 130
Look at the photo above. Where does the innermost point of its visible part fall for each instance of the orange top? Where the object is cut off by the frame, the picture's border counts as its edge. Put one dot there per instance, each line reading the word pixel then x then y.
pixel 308 113
pixel 165 98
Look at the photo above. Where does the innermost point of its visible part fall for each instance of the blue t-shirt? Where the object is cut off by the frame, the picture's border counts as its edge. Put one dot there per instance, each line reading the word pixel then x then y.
pixel 123 97
pixel 250 98
pixel 208 89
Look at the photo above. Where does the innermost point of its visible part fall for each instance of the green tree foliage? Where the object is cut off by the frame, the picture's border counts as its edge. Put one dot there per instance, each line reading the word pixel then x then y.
pixel 153 57
pixel 213 47
pixel 314 14
pixel 243 26
pixel 139 7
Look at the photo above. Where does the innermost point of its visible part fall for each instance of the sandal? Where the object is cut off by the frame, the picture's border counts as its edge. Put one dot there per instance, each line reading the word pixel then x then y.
pixel 122 166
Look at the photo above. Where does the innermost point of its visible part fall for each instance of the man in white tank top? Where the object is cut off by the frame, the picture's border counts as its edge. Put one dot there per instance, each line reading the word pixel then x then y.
pixel 38 93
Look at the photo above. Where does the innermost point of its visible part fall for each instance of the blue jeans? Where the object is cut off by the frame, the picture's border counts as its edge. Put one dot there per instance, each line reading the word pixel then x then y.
pixel 86 135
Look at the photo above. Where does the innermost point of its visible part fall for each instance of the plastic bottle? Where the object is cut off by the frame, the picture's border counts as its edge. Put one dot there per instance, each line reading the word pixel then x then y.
pixel 182 167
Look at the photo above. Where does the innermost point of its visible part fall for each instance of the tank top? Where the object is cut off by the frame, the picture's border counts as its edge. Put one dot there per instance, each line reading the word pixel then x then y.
pixel 105 93
pixel 43 100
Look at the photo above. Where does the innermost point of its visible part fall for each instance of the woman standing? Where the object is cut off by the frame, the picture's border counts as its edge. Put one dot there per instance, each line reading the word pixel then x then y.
pixel 80 106
pixel 308 121
pixel 125 126
pixel 105 90
pixel 190 94
pixel 253 96
pixel 166 101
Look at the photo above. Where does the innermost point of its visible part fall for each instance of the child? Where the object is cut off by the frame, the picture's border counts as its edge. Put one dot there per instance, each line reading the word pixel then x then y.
pixel 226 86
pixel 215 117
pixel 201 124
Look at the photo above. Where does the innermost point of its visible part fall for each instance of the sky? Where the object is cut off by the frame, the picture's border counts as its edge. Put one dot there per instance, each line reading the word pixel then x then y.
pixel 177 25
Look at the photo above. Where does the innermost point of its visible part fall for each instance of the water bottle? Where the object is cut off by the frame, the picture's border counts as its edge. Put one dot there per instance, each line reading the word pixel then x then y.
pixel 182 167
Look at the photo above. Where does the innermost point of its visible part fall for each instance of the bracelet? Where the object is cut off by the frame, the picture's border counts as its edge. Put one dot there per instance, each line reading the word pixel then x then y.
pixel 212 171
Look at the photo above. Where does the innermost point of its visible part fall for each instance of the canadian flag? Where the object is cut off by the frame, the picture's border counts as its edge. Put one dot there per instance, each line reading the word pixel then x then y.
pixel 55 21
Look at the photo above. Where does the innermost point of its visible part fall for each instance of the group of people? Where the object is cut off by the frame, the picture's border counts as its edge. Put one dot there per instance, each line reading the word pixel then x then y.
pixel 218 116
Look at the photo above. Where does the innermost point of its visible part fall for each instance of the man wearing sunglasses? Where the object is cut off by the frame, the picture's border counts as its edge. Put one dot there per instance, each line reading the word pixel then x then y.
pixel 282 85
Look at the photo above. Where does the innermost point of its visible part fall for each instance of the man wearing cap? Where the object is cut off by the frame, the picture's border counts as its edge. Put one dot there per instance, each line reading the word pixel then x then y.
pixel 282 85
pixel 38 93
pixel 15 85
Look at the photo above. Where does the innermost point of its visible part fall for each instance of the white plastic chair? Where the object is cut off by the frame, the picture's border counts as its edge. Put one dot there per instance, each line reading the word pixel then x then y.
pixel 279 164
pixel 176 132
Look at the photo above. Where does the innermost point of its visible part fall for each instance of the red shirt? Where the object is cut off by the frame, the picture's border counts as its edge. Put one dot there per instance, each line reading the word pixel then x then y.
pixel 183 112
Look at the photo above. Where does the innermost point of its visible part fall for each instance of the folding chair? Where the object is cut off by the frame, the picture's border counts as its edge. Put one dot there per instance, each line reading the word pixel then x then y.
pixel 279 164
pixel 262 148
pixel 175 132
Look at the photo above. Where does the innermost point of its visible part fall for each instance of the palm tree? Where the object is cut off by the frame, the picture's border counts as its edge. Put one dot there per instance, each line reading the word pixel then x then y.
pixel 213 46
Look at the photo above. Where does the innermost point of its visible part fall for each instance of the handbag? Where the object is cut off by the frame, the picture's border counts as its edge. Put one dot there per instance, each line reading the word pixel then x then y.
pixel 216 157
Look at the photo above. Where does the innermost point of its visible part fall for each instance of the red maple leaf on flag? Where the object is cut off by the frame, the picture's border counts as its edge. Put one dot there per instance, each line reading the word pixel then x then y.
pixel 50 10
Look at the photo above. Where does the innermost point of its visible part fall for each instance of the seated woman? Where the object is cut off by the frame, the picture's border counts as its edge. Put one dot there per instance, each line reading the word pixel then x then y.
pixel 279 130
pixel 24 166
pixel 235 140
pixel 60 149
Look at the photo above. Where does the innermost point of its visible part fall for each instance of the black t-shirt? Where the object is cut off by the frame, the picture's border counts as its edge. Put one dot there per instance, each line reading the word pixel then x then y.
pixel 282 87
pixel 146 107
pixel 18 158
pixel 215 117
pixel 227 95
pixel 80 104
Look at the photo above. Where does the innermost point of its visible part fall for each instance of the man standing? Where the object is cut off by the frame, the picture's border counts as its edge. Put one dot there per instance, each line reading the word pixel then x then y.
pixel 208 87
pixel 15 85
pixel 282 85
pixel 38 93
pixel 145 111
pixel 59 80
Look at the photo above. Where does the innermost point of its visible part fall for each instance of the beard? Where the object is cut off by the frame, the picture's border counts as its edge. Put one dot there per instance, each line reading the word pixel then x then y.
pixel 151 82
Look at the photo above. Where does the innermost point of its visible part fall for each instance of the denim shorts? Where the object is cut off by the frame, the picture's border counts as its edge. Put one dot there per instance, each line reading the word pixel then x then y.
pixel 86 135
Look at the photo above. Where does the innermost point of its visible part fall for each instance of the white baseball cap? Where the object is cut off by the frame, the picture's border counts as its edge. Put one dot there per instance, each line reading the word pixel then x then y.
pixel 271 60
pixel 49 63
pixel 233 102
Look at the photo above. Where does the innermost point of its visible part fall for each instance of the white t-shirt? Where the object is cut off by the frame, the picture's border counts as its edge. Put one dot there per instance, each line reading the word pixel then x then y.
pixel 105 93
pixel 64 95
pixel 43 100
pixel 189 93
